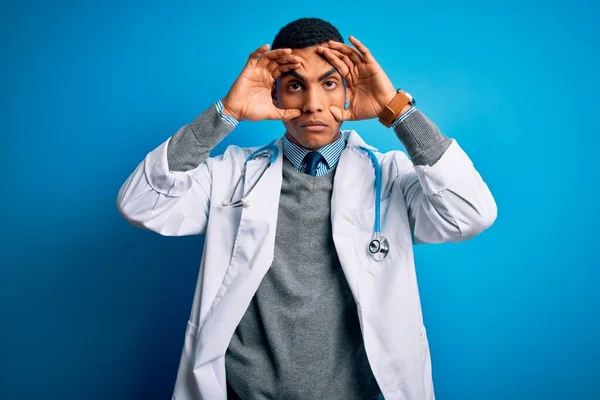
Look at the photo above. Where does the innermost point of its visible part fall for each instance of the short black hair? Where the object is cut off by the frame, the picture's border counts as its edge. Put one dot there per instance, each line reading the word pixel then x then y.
pixel 305 32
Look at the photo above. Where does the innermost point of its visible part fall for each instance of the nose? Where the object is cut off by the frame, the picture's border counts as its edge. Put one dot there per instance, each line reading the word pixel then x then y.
pixel 313 101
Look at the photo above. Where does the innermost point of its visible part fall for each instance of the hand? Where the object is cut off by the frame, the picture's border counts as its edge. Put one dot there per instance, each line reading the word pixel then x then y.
pixel 250 95
pixel 368 86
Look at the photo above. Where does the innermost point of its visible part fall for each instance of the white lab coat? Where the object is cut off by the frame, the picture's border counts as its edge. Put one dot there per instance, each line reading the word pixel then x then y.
pixel 420 204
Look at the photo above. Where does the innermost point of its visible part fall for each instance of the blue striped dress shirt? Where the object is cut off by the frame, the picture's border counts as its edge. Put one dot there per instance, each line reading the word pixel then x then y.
pixel 331 154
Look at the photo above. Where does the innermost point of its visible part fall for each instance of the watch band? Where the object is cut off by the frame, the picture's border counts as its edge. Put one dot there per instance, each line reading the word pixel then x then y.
pixel 390 112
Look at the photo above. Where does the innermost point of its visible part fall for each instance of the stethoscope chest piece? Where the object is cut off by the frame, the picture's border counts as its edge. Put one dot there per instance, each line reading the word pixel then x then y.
pixel 379 248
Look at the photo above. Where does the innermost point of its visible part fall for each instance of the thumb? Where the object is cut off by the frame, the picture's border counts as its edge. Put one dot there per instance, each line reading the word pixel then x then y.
pixel 339 114
pixel 287 114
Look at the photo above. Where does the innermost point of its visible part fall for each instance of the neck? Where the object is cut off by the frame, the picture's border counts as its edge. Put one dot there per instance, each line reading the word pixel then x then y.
pixel 293 140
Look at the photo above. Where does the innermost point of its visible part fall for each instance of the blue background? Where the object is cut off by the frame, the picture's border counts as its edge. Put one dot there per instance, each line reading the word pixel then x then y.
pixel 93 308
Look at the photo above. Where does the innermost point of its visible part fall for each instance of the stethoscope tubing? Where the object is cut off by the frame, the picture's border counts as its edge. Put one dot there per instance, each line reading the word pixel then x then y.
pixel 378 247
pixel 274 152
pixel 377 169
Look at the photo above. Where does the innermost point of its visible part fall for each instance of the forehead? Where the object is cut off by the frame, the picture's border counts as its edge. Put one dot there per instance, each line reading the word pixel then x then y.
pixel 313 64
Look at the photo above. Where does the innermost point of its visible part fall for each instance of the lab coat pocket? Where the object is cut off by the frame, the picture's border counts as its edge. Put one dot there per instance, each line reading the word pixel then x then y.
pixel 191 334
pixel 191 329
pixel 394 227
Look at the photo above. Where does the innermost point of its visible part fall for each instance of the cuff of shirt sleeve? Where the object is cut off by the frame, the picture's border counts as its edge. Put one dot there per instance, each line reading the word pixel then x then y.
pixel 403 116
pixel 226 117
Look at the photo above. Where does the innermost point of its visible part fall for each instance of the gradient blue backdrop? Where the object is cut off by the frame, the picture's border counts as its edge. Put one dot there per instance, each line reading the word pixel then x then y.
pixel 93 308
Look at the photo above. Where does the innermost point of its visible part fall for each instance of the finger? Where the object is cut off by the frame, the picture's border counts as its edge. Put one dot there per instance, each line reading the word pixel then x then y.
pixel 282 69
pixel 287 59
pixel 274 64
pixel 258 52
pixel 349 65
pixel 337 53
pixel 255 56
pixel 284 114
pixel 334 59
pixel 274 55
pixel 348 62
pixel 362 48
pixel 347 50
pixel 277 53
pixel 339 114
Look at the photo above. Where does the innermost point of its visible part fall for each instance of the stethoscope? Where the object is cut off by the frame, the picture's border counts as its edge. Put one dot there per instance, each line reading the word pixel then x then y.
pixel 379 246
pixel 269 151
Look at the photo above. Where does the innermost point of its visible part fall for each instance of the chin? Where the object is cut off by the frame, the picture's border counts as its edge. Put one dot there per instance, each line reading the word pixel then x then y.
pixel 315 140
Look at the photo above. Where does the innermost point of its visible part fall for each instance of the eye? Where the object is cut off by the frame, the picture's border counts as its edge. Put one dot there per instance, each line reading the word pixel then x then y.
pixel 294 87
pixel 330 84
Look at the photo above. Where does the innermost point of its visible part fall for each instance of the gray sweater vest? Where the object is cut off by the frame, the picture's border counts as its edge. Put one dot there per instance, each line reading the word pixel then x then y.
pixel 300 337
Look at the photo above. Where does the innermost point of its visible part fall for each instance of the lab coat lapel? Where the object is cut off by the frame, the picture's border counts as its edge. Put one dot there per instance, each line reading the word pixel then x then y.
pixel 350 180
pixel 251 258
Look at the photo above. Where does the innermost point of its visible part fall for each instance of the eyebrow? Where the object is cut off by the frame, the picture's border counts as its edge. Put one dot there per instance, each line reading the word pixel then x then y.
pixel 303 79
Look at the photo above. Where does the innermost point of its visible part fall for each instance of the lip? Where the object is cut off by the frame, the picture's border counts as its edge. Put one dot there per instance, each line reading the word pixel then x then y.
pixel 315 122
pixel 314 126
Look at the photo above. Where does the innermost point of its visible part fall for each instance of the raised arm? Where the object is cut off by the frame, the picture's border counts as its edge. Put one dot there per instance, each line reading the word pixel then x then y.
pixel 446 198
pixel 169 191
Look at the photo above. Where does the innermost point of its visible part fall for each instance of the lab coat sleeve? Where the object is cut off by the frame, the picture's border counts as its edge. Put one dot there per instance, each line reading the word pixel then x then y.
pixel 447 201
pixel 171 203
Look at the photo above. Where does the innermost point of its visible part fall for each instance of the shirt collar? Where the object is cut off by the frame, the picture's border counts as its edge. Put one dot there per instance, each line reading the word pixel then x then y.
pixel 331 152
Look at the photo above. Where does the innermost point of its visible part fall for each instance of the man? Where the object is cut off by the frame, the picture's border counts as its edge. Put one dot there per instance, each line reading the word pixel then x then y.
pixel 299 295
